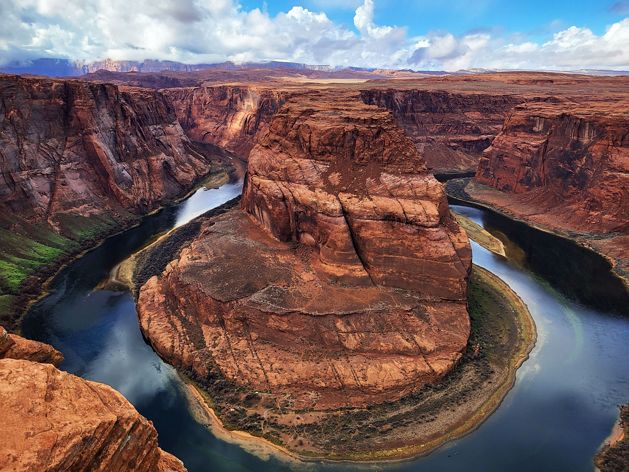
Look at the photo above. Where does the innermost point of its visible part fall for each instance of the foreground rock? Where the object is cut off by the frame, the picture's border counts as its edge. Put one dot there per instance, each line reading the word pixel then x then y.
pixel 347 249
pixel 17 347
pixel 52 420
pixel 80 160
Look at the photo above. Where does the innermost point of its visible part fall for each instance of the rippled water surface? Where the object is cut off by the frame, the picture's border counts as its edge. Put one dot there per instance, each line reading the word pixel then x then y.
pixel 563 405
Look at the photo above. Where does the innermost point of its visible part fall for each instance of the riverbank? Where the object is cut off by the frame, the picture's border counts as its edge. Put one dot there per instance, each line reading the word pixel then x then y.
pixel 614 454
pixel 480 234
pixel 412 426
pixel 13 307
pixel 605 284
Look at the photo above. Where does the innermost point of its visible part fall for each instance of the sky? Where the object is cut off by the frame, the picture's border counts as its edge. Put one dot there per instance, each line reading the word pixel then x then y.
pixel 420 35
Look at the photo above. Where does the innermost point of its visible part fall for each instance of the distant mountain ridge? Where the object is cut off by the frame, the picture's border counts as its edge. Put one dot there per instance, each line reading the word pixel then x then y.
pixel 70 68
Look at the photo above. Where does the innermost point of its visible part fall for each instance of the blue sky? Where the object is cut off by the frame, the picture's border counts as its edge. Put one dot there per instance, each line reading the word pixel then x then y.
pixel 538 18
pixel 421 34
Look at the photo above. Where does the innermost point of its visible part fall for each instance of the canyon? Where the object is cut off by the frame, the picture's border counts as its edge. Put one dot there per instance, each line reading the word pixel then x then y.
pixel 59 421
pixel 79 161
pixel 343 243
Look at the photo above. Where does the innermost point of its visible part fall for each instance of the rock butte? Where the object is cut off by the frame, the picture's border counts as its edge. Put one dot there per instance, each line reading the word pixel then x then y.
pixel 56 421
pixel 346 248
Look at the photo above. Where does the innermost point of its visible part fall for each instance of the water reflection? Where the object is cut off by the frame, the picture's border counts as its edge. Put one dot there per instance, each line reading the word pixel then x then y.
pixel 204 199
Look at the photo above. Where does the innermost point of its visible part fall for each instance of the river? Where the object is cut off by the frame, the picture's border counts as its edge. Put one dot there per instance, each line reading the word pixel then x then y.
pixel 562 407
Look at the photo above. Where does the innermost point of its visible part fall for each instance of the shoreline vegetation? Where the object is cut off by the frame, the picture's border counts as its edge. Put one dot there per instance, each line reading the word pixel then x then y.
pixel 503 335
pixel 614 452
pixel 38 286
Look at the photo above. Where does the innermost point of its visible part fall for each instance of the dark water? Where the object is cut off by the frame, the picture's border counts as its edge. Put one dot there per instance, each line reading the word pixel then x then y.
pixel 562 407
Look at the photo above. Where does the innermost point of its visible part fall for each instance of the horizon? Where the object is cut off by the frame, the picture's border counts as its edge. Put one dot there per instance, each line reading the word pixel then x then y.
pixel 375 34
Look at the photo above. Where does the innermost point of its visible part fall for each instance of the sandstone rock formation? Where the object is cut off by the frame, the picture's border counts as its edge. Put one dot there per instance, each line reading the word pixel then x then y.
pixel 565 167
pixel 450 129
pixel 17 347
pixel 77 161
pixel 225 115
pixel 52 420
pixel 343 284
pixel 572 164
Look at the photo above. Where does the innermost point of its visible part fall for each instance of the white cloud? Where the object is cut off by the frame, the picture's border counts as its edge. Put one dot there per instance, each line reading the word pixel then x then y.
pixel 211 31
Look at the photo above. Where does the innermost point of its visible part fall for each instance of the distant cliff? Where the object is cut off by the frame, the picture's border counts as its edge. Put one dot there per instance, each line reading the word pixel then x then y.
pixel 227 116
pixel 451 130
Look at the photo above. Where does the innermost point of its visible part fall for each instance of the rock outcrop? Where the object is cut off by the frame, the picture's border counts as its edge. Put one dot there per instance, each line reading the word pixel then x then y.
pixel 228 116
pixel 572 164
pixel 450 129
pixel 52 420
pixel 77 161
pixel 13 346
pixel 342 284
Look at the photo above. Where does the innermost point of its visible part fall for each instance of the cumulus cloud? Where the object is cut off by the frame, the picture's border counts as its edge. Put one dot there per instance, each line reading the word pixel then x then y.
pixel 197 31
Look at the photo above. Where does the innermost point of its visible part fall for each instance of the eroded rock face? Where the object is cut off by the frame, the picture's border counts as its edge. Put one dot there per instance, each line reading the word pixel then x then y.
pixel 450 130
pixel 84 148
pixel 343 283
pixel 227 116
pixel 568 166
pixel 52 420
pixel 13 346
pixel 78 161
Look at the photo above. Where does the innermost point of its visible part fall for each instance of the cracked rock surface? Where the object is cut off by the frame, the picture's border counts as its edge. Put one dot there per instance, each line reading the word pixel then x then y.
pixel 52 420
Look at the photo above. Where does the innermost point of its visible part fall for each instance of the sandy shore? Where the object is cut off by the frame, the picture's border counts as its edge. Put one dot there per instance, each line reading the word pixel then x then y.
pixel 480 234
pixel 202 411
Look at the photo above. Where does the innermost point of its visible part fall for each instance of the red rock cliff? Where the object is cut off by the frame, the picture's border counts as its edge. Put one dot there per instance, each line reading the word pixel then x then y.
pixel 450 130
pixel 343 284
pixel 77 161
pixel 570 164
pixel 225 115
pixel 71 146
pixel 52 420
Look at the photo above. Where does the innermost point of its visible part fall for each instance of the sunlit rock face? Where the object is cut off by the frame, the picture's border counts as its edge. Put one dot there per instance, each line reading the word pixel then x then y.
pixel 52 420
pixel 343 281
pixel 569 161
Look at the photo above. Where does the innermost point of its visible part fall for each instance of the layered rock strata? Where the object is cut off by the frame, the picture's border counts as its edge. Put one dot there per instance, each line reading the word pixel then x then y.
pixel 341 284
pixel 228 116
pixel 451 130
pixel 52 420
pixel 565 167
pixel 77 161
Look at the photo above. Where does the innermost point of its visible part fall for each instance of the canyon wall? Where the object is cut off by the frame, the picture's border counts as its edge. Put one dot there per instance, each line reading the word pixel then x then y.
pixel 78 160
pixel 345 248
pixel 228 116
pixel 450 130
pixel 572 164
pixel 52 420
